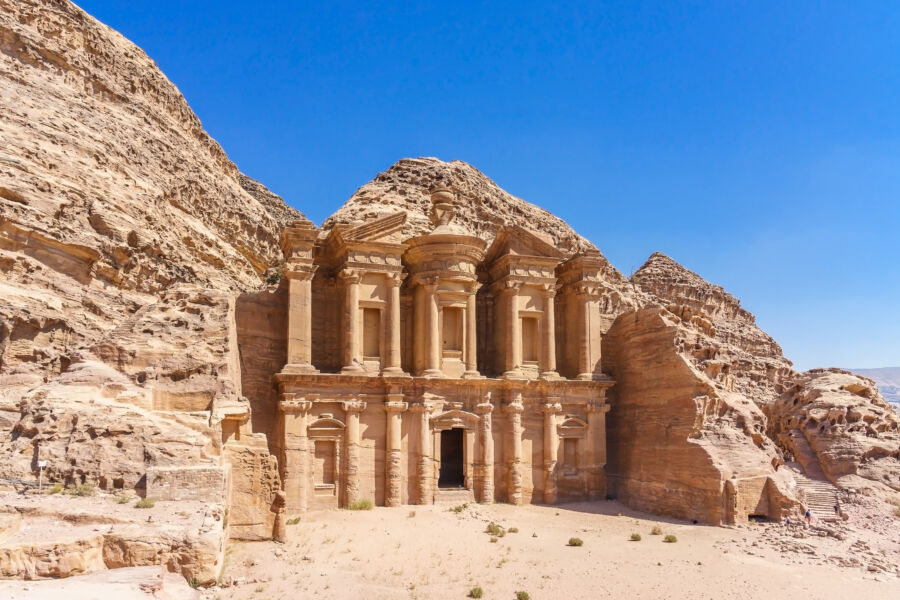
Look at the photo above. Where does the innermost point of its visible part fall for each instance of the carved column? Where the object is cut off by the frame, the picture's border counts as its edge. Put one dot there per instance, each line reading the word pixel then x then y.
pixel 551 449
pixel 548 347
pixel 515 409
pixel 596 449
pixel 424 465
pixel 471 335
pixel 392 489
pixel 352 408
pixel 294 415
pixel 432 339
pixel 585 295
pixel 392 364
pixel 486 434
pixel 352 362
pixel 513 329
pixel 299 318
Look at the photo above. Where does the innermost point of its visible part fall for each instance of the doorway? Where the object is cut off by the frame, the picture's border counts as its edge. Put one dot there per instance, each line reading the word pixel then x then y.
pixel 452 472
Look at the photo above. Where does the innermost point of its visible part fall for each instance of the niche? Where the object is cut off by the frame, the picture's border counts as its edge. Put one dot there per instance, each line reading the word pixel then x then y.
pixel 371 333
pixel 529 339
pixel 451 329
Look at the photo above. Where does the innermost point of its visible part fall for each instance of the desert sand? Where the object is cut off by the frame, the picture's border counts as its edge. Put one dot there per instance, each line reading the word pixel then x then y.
pixel 435 552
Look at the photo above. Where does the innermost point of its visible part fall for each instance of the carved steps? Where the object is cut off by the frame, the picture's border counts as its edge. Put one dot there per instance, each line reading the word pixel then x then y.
pixel 454 496
pixel 818 496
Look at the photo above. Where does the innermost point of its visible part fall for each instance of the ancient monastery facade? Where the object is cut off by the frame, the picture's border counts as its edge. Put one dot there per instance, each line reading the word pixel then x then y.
pixel 437 367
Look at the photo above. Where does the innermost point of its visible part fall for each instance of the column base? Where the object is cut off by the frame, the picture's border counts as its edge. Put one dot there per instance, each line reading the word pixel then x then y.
pixel 514 374
pixel 472 375
pixel 585 376
pixel 352 370
pixel 432 373
pixel 299 369
pixel 393 371
pixel 550 375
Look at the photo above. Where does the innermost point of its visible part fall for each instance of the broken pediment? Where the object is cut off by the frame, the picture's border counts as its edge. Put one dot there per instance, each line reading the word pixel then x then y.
pixel 519 241
pixel 382 229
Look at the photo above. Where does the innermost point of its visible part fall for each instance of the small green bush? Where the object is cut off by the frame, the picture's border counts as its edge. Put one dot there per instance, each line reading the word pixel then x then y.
pixel 293 521
pixel 576 542
pixel 495 529
pixel 657 530
pixel 460 508
pixel 523 596
pixel 83 490
pixel 57 488
pixel 476 592
pixel 364 504
pixel 635 537
pixel 671 539
pixel 145 503
pixel 513 530
pixel 122 499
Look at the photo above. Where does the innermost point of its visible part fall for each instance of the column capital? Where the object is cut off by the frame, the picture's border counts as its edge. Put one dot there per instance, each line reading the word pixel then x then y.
pixel 350 275
pixel 295 403
pixel 514 407
pixel 510 286
pixel 420 407
pixel 353 406
pixel 484 408
pixel 597 407
pixel 395 279
pixel 590 290
pixel 551 408
pixel 548 290
pixel 394 406
pixel 300 272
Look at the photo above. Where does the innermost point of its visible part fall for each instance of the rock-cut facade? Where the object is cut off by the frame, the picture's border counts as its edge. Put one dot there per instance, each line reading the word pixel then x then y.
pixel 438 367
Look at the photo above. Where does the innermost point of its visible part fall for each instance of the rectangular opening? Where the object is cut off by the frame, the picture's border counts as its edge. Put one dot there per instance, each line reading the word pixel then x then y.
pixel 452 328
pixel 371 333
pixel 570 455
pixel 529 339
pixel 451 474
pixel 323 469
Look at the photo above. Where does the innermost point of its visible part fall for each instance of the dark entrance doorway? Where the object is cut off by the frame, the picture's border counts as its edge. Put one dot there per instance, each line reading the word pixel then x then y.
pixel 451 475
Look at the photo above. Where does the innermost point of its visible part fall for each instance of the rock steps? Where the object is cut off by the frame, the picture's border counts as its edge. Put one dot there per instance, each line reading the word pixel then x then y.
pixel 818 496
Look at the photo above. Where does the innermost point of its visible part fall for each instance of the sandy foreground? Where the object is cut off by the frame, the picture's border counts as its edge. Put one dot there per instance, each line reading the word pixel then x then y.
pixel 435 552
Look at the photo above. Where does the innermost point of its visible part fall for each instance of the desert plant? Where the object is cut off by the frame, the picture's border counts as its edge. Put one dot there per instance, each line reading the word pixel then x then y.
pixel 83 490
pixel 364 504
pixel 523 596
pixel 494 539
pixel 513 530
pixel 476 592
pixel 145 503
pixel 635 537
pixel 274 277
pixel 411 514
pixel 657 530
pixel 575 542
pixel 671 539
pixel 122 499
pixel 495 530
pixel 57 488
pixel 460 508
pixel 293 521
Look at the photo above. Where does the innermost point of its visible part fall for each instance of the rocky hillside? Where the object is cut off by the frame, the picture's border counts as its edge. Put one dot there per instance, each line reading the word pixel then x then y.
pixel 888 381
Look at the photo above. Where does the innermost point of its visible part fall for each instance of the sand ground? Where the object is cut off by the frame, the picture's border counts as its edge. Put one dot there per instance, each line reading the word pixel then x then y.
pixel 420 552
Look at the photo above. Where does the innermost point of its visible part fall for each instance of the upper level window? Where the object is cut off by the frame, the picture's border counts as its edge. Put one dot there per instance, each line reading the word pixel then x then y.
pixel 452 329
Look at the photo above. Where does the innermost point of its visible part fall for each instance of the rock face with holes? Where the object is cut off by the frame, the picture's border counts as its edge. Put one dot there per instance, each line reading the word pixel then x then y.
pixel 835 422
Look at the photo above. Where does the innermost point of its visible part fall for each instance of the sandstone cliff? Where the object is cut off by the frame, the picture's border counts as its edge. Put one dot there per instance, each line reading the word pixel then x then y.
pixel 125 236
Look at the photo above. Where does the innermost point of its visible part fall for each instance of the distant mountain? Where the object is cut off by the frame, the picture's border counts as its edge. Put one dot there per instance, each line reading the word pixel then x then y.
pixel 888 380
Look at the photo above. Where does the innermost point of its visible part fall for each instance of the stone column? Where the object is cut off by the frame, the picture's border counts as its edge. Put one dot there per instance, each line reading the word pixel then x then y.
pixel 548 349
pixel 299 318
pixel 392 489
pixel 294 415
pixel 486 438
pixel 596 449
pixel 551 449
pixel 424 465
pixel 351 440
pixel 432 339
pixel 471 336
pixel 585 369
pixel 513 330
pixel 514 485
pixel 352 362
pixel 392 363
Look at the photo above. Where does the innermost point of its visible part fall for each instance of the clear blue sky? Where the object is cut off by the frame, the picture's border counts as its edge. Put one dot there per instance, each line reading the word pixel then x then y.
pixel 757 143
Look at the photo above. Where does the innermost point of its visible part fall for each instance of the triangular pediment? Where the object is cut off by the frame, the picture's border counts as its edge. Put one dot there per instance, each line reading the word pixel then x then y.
pixel 519 241
pixel 381 229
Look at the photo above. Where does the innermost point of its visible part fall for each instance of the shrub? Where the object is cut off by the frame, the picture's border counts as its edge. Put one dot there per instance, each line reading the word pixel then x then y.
pixel 57 488
pixel 635 537
pixel 523 596
pixel 513 530
pixel 145 503
pixel 460 508
pixel 495 529
pixel 476 592
pixel 364 504
pixel 576 542
pixel 83 490
pixel 657 530
pixel 293 521
pixel 411 514
pixel 122 499
pixel 494 539
pixel 274 277
pixel 671 539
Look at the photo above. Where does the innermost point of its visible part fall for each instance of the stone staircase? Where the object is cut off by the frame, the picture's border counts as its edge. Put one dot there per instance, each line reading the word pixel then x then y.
pixel 818 496
pixel 454 496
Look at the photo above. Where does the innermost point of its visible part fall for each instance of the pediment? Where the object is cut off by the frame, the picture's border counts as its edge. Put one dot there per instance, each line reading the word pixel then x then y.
pixel 381 229
pixel 519 241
